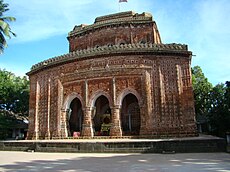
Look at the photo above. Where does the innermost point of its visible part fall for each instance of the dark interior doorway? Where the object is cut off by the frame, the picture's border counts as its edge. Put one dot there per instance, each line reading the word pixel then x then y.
pixel 75 118
pixel 130 115
pixel 102 117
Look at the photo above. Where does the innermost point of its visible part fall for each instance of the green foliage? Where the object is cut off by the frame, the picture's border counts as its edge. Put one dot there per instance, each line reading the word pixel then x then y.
pixel 219 115
pixel 201 90
pixel 14 100
pixel 3 7
pixel 212 102
pixel 5 30
pixel 14 93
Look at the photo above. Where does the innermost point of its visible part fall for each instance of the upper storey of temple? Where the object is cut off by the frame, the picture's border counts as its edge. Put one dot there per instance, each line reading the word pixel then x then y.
pixel 115 29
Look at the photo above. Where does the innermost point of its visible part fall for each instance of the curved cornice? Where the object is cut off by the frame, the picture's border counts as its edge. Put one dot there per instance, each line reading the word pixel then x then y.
pixel 78 30
pixel 114 49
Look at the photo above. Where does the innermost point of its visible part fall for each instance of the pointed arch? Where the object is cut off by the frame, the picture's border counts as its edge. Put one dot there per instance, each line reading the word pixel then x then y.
pixel 75 117
pixel 130 115
pixel 126 92
pixel 69 99
pixel 73 104
pixel 97 94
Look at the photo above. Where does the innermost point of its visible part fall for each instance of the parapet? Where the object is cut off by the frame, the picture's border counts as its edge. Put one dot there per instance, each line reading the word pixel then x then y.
pixel 129 15
pixel 119 28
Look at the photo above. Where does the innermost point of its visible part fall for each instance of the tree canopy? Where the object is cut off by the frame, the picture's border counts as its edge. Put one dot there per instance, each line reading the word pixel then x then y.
pixel 5 30
pixel 201 91
pixel 219 116
pixel 212 102
pixel 14 93
pixel 14 100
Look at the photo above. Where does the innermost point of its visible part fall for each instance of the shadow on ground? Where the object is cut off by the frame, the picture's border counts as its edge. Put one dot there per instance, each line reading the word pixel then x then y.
pixel 122 162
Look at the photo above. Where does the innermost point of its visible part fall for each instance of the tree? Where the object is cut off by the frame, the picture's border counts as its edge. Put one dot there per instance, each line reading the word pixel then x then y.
pixel 201 90
pixel 227 95
pixel 14 100
pixel 211 103
pixel 219 116
pixel 5 30
pixel 14 93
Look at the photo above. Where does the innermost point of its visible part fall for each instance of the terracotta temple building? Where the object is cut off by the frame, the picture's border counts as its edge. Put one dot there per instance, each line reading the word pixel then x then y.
pixel 118 79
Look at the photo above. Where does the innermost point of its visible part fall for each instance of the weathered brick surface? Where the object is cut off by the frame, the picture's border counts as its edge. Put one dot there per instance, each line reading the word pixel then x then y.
pixel 125 28
pixel 158 75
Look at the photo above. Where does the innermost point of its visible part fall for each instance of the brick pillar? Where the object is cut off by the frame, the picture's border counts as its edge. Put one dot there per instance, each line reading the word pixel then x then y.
pixel 87 129
pixel 115 129
pixel 47 135
pixel 147 105
pixel 64 122
pixel 143 128
pixel 36 120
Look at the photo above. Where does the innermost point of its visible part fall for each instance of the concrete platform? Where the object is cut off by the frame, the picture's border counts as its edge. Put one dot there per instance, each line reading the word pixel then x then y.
pixel 203 143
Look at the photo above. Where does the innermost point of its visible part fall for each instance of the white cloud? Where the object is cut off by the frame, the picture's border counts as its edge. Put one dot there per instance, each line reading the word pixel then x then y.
pixel 41 19
pixel 38 20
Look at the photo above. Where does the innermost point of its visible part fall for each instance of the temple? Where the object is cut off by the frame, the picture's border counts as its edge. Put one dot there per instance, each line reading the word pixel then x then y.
pixel 118 80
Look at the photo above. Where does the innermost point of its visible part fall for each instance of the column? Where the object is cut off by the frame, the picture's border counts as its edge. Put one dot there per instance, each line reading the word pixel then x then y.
pixel 148 98
pixel 144 127
pixel 87 128
pixel 115 129
pixel 60 112
pixel 47 136
pixel 86 93
pixel 36 121
pixel 64 123
pixel 32 109
pixel 146 107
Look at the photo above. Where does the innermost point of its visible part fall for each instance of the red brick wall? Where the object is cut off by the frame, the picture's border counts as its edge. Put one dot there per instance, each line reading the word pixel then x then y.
pixel 126 34
pixel 172 109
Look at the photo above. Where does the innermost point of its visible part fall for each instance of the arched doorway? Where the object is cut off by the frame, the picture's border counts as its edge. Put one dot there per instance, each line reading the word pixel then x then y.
pixel 75 117
pixel 130 115
pixel 101 117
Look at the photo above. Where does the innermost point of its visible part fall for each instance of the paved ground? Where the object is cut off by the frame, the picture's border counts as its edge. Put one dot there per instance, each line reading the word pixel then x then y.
pixel 70 162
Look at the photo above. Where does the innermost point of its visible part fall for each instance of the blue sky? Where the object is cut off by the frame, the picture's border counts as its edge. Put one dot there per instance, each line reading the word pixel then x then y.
pixel 42 27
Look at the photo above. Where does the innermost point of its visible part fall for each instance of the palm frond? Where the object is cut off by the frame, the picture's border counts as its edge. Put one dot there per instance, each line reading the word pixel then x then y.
pixel 1 48
pixel 5 28
pixel 14 34
pixel 2 43
pixel 3 40
pixel 3 7
pixel 7 18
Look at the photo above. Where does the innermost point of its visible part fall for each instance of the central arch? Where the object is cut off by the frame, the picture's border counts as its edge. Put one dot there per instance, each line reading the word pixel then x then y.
pixel 101 116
